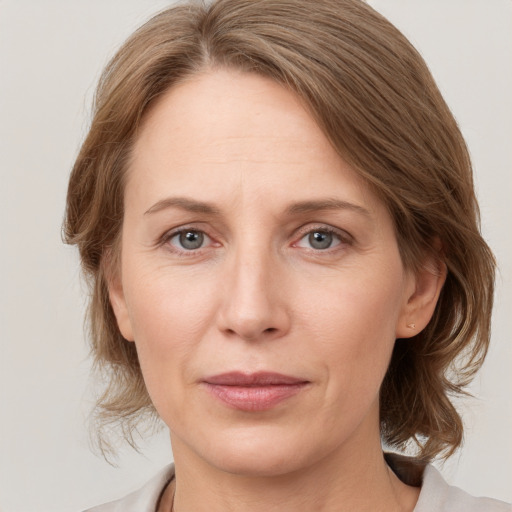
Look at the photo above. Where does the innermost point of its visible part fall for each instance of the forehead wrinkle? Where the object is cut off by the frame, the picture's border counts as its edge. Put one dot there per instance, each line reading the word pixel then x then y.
pixel 264 149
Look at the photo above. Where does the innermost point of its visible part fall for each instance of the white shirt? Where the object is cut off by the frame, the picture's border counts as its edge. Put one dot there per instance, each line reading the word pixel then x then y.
pixel 435 496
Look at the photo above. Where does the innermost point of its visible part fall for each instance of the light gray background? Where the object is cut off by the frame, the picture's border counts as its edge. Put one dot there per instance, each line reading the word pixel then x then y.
pixel 51 53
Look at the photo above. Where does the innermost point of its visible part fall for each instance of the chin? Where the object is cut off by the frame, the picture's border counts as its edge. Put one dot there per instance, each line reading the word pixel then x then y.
pixel 256 454
pixel 264 465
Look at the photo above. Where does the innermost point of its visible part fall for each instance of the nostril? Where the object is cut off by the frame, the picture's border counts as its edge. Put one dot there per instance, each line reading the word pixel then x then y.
pixel 270 329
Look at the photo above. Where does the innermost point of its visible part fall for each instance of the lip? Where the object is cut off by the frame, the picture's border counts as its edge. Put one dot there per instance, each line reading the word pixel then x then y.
pixel 259 391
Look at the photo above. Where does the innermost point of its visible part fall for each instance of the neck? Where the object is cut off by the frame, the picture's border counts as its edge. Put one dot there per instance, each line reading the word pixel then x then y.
pixel 346 480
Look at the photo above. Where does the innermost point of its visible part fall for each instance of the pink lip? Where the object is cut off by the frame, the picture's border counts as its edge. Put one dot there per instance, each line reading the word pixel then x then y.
pixel 253 392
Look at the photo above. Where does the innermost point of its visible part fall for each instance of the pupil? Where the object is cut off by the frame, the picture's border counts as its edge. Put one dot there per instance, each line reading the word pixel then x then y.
pixel 320 240
pixel 191 240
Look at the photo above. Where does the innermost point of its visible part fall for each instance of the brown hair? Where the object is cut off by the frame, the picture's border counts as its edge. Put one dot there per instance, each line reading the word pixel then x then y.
pixel 372 94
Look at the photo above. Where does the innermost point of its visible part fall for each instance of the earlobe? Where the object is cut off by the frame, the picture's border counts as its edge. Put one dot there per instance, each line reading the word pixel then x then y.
pixel 118 303
pixel 422 294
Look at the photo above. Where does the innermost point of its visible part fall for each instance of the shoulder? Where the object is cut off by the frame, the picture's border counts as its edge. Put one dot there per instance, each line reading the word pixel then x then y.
pixel 436 495
pixel 143 500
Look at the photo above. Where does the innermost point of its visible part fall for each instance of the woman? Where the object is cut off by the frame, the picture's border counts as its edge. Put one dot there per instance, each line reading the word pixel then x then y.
pixel 276 210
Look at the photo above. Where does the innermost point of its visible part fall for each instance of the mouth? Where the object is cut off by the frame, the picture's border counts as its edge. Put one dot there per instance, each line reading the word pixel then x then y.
pixel 255 391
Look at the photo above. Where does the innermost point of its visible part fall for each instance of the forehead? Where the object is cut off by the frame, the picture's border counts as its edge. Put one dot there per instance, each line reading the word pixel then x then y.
pixel 228 132
pixel 225 108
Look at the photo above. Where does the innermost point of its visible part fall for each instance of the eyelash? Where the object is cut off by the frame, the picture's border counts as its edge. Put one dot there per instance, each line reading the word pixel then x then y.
pixel 343 237
pixel 168 236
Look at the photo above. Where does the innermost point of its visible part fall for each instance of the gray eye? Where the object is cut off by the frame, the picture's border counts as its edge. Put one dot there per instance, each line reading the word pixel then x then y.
pixel 320 239
pixel 190 240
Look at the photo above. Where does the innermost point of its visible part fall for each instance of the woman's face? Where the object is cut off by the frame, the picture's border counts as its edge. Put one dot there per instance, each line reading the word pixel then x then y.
pixel 260 279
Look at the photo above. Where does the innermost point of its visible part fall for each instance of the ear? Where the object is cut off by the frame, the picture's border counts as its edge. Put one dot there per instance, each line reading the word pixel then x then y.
pixel 422 291
pixel 117 299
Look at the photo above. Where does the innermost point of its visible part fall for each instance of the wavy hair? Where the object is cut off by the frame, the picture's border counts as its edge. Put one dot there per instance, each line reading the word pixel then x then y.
pixel 373 96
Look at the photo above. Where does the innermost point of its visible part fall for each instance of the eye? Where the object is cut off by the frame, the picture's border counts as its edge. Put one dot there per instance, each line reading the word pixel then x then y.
pixel 320 240
pixel 189 239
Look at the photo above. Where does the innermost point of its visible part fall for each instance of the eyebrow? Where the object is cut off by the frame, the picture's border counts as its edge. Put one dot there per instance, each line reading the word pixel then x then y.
pixel 184 203
pixel 300 207
pixel 325 204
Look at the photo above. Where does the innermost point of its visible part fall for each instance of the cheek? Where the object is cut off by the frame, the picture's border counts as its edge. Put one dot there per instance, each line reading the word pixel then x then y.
pixel 357 305
pixel 167 328
pixel 163 302
pixel 353 324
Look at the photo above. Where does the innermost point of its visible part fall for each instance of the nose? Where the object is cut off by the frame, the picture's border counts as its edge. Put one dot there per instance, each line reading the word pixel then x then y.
pixel 254 305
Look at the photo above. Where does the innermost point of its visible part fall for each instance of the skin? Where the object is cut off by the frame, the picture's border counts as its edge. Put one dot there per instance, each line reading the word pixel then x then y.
pixel 258 295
